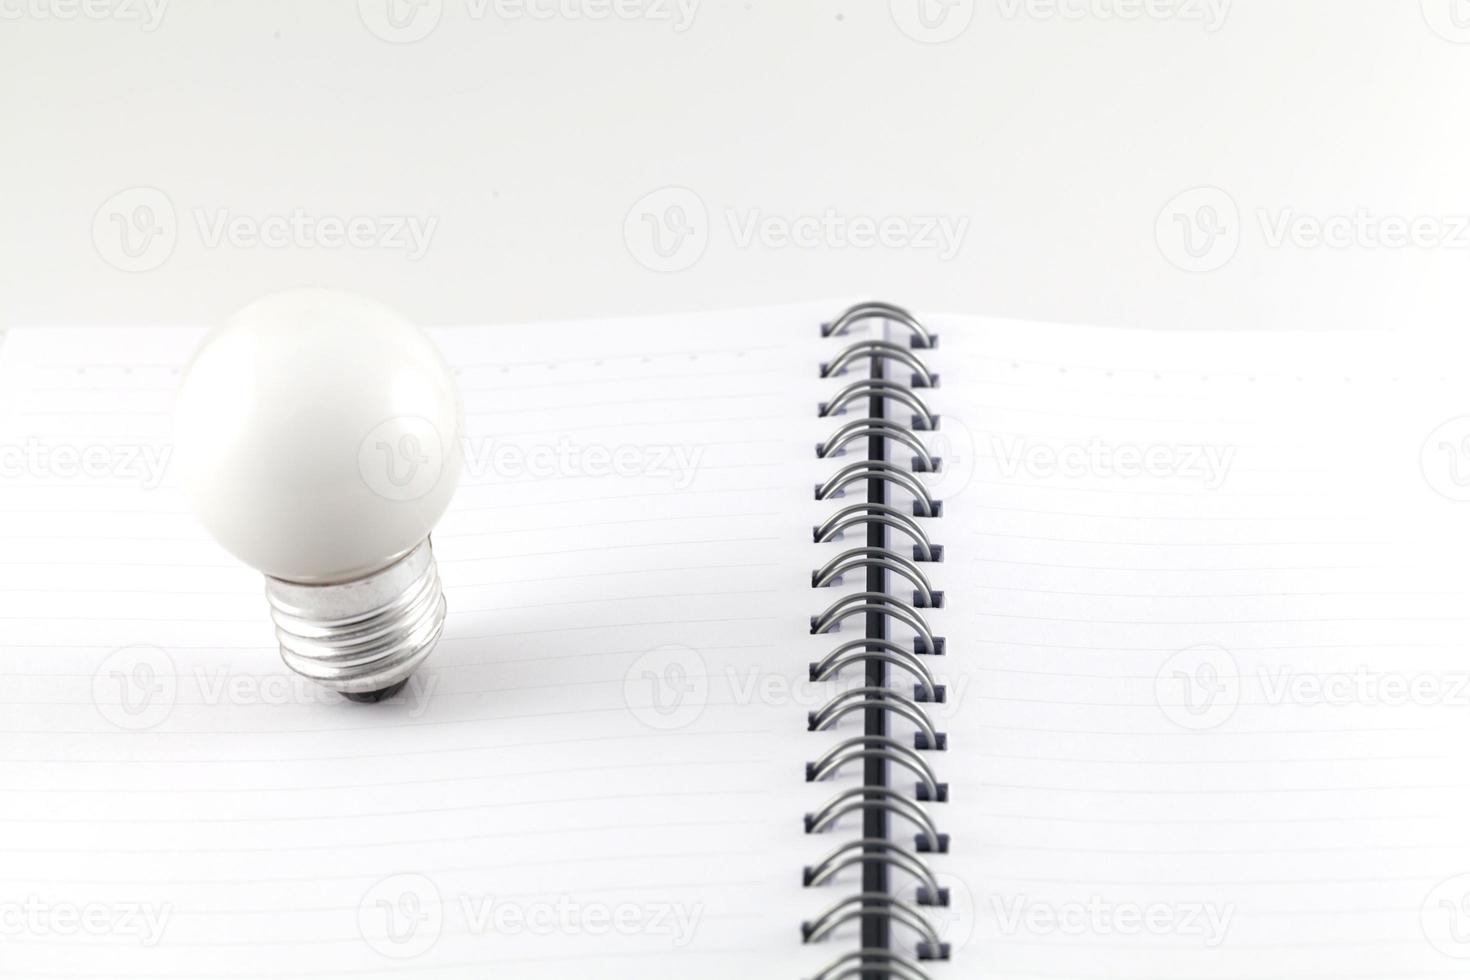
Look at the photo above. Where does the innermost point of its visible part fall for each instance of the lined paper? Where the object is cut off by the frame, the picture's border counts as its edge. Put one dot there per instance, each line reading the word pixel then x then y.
pixel 1213 714
pixel 599 772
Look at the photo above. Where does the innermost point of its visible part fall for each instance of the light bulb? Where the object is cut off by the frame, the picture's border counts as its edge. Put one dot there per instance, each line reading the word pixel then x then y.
pixel 318 435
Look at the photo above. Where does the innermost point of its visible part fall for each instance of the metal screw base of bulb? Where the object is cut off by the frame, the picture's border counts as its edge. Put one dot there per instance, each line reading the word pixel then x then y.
pixel 365 637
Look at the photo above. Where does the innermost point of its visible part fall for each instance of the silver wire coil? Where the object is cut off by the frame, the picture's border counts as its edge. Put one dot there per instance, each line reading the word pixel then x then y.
pixel 851 966
pixel 846 518
pixel 879 469
pixel 899 614
pixel 885 350
pixel 880 311
pixel 927 597
pixel 924 420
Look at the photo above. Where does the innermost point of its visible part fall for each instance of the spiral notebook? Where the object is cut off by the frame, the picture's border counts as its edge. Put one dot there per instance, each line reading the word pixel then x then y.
pixel 783 643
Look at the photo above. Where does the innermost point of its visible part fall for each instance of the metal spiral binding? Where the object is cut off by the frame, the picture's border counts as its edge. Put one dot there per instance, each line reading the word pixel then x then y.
pixel 882 914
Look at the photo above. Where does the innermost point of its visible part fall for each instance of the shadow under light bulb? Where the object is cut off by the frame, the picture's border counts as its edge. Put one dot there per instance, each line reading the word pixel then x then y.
pixel 318 434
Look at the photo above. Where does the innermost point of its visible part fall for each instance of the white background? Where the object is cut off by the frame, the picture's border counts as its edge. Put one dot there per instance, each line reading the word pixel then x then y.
pixel 1056 132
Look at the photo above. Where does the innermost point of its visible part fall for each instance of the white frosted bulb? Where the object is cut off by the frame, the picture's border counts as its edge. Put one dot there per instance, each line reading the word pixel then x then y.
pixel 318 435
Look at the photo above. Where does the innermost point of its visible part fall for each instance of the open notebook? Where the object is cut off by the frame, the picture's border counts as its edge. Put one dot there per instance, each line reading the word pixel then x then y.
pixel 1184 695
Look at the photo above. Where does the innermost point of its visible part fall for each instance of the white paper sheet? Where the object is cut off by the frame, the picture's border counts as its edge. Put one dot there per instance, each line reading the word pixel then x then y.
pixel 1207 623
pixel 601 771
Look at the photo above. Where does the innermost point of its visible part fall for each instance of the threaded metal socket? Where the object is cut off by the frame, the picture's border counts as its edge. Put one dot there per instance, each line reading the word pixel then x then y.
pixel 364 636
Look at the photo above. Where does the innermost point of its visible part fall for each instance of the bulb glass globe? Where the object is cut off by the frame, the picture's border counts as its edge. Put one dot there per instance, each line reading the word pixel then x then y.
pixel 318 435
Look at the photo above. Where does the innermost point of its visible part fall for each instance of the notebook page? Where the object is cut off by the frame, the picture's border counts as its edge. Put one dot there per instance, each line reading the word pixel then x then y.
pixel 1206 629
pixel 598 772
